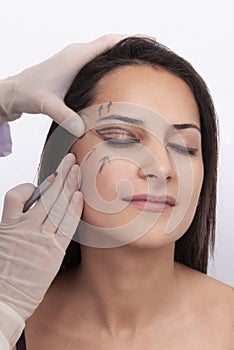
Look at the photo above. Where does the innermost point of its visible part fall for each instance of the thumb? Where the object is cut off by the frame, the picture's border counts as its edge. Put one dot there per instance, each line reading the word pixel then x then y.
pixel 14 203
pixel 55 107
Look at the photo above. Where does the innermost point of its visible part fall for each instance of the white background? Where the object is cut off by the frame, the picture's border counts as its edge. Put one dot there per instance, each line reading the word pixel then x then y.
pixel 200 31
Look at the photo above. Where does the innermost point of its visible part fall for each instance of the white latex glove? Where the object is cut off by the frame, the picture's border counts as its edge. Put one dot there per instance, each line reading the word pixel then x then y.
pixel 41 88
pixel 33 244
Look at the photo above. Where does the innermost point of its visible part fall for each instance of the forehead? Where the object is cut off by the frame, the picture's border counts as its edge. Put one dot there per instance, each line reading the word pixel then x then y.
pixel 150 87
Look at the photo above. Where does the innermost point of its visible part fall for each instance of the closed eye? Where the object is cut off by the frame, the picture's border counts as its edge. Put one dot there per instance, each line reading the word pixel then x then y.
pixel 183 150
pixel 118 136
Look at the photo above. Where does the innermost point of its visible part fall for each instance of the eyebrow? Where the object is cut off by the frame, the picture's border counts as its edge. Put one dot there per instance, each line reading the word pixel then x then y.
pixel 122 118
pixel 186 126
pixel 134 121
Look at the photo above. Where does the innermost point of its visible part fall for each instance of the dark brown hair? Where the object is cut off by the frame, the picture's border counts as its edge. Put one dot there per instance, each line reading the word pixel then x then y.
pixel 197 244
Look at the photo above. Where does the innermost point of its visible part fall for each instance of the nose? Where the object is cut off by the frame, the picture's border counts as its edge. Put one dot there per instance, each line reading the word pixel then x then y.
pixel 156 163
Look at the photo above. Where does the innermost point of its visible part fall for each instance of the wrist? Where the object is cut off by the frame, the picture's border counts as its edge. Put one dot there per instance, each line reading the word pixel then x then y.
pixel 4 344
pixel 11 324
pixel 7 112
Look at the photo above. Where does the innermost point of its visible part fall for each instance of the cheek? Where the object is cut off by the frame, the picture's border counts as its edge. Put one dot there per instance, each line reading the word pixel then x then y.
pixel 190 178
pixel 83 147
pixel 198 175
pixel 110 181
pixel 103 177
pixel 195 193
pixel 103 195
pixel 188 198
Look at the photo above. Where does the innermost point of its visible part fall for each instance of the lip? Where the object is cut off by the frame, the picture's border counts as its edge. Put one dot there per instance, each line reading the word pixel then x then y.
pixel 151 203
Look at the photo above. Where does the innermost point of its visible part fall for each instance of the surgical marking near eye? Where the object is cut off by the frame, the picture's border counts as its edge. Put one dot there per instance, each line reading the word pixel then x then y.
pixel 104 161
pixel 90 153
pixel 100 110
pixel 112 135
pixel 112 130
pixel 183 150
pixel 109 106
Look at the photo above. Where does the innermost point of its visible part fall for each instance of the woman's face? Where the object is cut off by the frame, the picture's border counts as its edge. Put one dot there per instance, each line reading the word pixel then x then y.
pixel 142 176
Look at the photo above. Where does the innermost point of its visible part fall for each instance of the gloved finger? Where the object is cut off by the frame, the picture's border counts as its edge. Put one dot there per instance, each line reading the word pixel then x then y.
pixel 104 43
pixel 77 55
pixel 71 220
pixel 145 36
pixel 64 116
pixel 61 205
pixel 14 203
pixel 47 200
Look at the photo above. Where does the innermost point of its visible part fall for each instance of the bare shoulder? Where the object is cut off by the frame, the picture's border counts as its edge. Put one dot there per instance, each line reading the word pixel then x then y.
pixel 206 285
pixel 209 295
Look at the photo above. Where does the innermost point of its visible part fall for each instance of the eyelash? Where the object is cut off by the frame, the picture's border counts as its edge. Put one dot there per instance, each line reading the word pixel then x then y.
pixel 117 141
pixel 128 142
pixel 183 150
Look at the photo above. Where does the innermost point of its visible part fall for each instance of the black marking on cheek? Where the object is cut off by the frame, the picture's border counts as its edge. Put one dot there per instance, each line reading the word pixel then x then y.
pixel 109 106
pixel 90 153
pixel 100 110
pixel 104 161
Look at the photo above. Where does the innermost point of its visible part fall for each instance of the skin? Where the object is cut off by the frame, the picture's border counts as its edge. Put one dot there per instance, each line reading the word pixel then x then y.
pixel 110 173
pixel 136 295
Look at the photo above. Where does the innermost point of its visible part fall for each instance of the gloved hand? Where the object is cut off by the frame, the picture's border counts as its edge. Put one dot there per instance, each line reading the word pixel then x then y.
pixel 41 88
pixel 33 244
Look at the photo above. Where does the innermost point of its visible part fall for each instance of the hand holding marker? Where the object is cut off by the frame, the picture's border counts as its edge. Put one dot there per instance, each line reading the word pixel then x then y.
pixel 33 243
pixel 39 191
pixel 24 237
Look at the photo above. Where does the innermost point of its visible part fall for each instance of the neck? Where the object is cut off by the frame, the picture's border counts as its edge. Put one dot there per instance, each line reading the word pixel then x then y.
pixel 128 287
